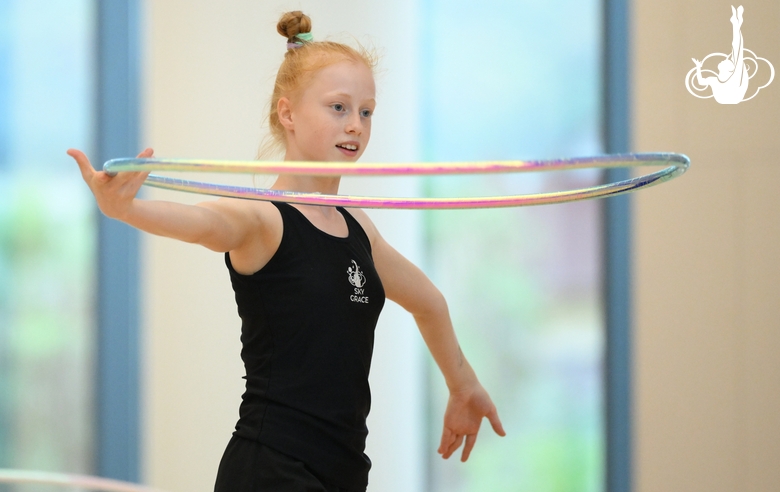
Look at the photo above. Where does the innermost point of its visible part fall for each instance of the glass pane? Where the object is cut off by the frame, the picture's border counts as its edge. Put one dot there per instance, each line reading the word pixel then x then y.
pixel 47 236
pixel 519 80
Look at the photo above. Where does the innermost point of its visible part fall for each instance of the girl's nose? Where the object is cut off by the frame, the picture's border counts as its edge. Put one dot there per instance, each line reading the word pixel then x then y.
pixel 354 125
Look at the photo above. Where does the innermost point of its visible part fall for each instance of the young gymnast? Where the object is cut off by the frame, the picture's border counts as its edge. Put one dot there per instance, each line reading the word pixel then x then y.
pixel 310 282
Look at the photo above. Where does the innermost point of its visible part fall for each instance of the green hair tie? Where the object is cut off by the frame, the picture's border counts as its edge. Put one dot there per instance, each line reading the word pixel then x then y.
pixel 300 39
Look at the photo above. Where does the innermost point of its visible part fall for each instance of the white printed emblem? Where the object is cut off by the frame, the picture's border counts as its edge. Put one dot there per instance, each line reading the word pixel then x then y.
pixel 356 277
pixel 735 70
pixel 358 280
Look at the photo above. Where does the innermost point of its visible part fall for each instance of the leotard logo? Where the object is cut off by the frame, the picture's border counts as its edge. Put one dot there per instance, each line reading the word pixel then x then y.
pixel 358 280
pixel 735 70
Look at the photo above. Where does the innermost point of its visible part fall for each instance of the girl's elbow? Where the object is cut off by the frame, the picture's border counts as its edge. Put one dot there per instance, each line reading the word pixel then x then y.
pixel 433 306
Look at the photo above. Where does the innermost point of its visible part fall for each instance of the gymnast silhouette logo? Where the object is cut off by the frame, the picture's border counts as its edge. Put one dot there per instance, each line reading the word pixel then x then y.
pixel 356 277
pixel 358 280
pixel 735 70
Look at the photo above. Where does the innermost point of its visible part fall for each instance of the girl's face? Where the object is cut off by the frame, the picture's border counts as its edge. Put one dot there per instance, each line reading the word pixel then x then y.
pixel 331 120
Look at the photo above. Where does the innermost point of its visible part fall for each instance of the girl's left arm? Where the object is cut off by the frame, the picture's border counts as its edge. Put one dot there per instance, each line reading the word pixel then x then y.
pixel 408 286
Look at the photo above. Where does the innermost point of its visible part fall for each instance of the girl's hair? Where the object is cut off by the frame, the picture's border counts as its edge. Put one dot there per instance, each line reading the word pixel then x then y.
pixel 302 60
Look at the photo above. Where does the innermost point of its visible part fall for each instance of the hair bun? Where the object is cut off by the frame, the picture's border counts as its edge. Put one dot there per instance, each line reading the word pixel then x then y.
pixel 293 23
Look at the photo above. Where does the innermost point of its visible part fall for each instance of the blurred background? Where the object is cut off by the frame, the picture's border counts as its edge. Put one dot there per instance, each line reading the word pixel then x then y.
pixel 457 80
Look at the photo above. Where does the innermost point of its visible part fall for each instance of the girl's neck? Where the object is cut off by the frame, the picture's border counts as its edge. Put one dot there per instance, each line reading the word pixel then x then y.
pixel 327 185
pixel 311 184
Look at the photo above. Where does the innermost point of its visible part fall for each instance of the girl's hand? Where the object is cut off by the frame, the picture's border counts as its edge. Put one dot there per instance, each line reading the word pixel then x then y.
pixel 465 409
pixel 114 195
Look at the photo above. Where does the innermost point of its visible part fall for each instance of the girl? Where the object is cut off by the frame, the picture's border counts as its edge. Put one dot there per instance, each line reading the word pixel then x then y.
pixel 309 282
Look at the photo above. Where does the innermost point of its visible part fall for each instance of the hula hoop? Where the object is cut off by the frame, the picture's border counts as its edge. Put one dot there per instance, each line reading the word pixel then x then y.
pixel 72 481
pixel 677 163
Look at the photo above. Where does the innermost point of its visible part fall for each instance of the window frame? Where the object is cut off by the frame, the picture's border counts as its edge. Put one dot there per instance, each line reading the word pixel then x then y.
pixel 117 385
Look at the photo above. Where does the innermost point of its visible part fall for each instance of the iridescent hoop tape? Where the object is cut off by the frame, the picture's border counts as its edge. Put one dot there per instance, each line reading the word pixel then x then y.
pixel 84 482
pixel 677 165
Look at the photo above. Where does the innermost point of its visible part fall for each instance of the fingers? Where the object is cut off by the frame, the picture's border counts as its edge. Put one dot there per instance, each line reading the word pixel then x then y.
pixel 447 438
pixel 138 178
pixel 87 171
pixel 131 177
pixel 495 423
pixel 453 446
pixel 146 153
pixel 97 179
pixel 470 440
pixel 449 443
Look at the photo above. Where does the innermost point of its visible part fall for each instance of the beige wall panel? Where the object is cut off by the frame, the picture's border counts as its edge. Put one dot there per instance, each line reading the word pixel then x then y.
pixel 759 324
pixel 685 314
pixel 707 261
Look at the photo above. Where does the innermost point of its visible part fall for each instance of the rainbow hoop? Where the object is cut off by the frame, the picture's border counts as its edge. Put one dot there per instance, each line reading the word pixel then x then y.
pixel 72 481
pixel 677 165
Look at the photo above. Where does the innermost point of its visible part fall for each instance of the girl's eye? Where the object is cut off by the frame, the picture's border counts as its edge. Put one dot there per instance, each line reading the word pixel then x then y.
pixel 365 113
pixel 338 107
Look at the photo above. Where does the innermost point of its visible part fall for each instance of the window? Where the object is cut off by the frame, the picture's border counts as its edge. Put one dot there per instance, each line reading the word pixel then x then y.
pixel 47 236
pixel 519 80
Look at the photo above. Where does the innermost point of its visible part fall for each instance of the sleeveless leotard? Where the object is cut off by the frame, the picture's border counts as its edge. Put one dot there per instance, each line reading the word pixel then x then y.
pixel 307 333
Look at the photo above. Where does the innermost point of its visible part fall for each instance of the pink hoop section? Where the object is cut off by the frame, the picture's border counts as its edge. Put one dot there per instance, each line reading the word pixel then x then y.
pixel 72 481
pixel 677 165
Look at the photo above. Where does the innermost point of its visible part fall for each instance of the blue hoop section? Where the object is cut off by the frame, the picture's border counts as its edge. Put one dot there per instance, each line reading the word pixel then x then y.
pixel 676 164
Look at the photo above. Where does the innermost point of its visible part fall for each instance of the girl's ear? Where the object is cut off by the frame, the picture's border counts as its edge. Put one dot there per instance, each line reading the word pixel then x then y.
pixel 284 110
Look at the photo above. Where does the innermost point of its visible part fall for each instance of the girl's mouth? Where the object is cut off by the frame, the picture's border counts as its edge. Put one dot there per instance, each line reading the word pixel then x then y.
pixel 348 149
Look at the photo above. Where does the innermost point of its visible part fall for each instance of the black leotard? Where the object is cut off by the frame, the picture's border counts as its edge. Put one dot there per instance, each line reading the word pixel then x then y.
pixel 308 319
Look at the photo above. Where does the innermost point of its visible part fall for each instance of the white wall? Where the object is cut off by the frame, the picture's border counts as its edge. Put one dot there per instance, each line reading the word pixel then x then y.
pixel 208 73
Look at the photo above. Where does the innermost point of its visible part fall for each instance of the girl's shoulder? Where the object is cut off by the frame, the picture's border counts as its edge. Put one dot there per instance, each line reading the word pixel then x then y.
pixel 251 214
pixel 365 222
pixel 259 223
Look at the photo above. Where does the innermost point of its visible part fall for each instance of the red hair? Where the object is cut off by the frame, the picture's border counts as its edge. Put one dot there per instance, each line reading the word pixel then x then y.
pixel 300 64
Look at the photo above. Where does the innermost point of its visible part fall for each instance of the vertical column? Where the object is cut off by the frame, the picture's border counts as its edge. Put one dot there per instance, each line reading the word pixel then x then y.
pixel 5 318
pixel 117 387
pixel 5 81
pixel 617 249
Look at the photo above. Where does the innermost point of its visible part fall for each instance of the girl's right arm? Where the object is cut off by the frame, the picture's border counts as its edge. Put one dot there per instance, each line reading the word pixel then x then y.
pixel 218 225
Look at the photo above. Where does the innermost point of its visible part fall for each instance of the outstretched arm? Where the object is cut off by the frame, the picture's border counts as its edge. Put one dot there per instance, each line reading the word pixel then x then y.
pixel 215 224
pixel 701 80
pixel 407 285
